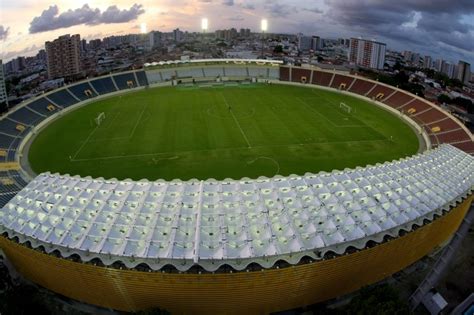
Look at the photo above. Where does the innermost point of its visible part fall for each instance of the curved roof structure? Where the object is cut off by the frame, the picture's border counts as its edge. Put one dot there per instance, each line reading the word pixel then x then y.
pixel 236 222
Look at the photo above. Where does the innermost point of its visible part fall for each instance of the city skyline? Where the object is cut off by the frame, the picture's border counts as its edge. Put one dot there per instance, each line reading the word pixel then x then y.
pixel 442 29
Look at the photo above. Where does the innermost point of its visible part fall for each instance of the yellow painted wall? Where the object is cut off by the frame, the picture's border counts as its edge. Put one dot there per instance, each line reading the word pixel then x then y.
pixel 250 292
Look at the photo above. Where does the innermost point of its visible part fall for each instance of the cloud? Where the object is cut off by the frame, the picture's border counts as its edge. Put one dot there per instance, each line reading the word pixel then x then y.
pixel 421 24
pixel 50 19
pixel 279 10
pixel 236 18
pixel 4 32
pixel 228 2
pixel 248 6
pixel 26 51
pixel 315 10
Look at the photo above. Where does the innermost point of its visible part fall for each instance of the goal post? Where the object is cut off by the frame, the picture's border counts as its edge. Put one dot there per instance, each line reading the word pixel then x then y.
pixel 346 108
pixel 99 119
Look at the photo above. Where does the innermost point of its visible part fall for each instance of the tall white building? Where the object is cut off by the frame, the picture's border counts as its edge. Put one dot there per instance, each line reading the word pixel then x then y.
pixel 367 53
pixel 3 90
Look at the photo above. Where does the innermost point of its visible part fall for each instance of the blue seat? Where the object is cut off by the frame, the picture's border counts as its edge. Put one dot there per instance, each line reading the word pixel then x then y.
pixel 79 90
pixel 41 106
pixel 103 85
pixel 142 79
pixel 26 116
pixel 122 80
pixel 62 98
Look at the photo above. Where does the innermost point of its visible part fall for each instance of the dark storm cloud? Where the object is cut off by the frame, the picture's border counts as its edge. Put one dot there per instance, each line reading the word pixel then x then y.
pixel 4 32
pixel 228 2
pixel 419 22
pixel 50 19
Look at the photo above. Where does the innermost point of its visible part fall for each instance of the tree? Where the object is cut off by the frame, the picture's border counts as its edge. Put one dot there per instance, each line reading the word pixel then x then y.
pixel 381 299
pixel 278 49
pixel 444 99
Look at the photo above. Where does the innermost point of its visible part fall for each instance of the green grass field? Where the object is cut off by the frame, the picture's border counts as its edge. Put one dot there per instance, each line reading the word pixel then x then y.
pixel 231 132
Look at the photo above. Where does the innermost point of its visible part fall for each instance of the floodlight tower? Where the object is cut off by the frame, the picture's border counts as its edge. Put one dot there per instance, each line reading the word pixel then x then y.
pixel 264 28
pixel 204 28
pixel 204 25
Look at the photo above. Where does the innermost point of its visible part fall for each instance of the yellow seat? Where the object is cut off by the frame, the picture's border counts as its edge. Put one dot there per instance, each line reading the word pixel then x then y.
pixel 130 84
pixel 88 93
pixel 380 96
pixel 436 129
pixel 3 152
pixel 20 127
pixel 342 86
pixel 51 107
pixel 6 181
pixel 411 111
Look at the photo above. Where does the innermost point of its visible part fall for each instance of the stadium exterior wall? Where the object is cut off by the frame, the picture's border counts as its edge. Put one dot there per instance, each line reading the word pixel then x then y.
pixel 255 292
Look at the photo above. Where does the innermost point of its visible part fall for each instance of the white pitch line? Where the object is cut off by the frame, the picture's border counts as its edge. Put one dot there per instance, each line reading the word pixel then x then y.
pixel 236 121
pixel 138 121
pixel 113 157
pixel 267 158
pixel 85 142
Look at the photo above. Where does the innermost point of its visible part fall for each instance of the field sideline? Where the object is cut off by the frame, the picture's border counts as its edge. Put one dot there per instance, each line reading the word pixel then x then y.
pixel 231 132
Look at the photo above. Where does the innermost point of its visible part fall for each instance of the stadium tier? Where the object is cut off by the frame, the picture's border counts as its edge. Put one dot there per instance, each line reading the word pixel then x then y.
pixel 361 86
pixel 103 85
pixel 62 98
pixel 342 82
pixel 213 72
pixel 42 106
pixel 235 72
pixel 258 72
pixel 25 116
pixel 271 244
pixel 125 81
pixel 301 75
pixel 82 91
pixel 5 141
pixel 11 127
pixel 167 75
pixel 189 72
pixel 322 78
pixel 141 77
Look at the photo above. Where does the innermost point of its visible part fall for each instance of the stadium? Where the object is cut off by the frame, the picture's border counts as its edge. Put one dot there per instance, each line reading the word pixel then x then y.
pixel 222 185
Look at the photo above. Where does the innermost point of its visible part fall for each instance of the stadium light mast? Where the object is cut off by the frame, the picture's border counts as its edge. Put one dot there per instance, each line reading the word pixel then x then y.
pixel 204 25
pixel 263 28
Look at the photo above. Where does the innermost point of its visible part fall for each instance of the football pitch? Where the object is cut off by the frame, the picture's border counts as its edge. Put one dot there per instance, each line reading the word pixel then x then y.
pixel 220 132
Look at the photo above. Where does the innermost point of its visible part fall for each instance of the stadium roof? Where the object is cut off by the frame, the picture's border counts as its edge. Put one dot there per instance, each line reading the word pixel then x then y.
pixel 235 222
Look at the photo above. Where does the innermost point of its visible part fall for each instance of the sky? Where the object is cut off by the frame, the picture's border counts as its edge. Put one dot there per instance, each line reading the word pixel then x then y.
pixel 440 28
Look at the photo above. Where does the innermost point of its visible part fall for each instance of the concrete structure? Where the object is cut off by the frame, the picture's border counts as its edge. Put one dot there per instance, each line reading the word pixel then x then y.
pixel 3 90
pixel 63 56
pixel 304 42
pixel 367 53
pixel 427 62
pixel 464 72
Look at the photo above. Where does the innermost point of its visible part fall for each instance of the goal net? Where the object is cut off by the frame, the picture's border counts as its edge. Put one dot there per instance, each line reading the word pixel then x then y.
pixel 99 119
pixel 346 108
